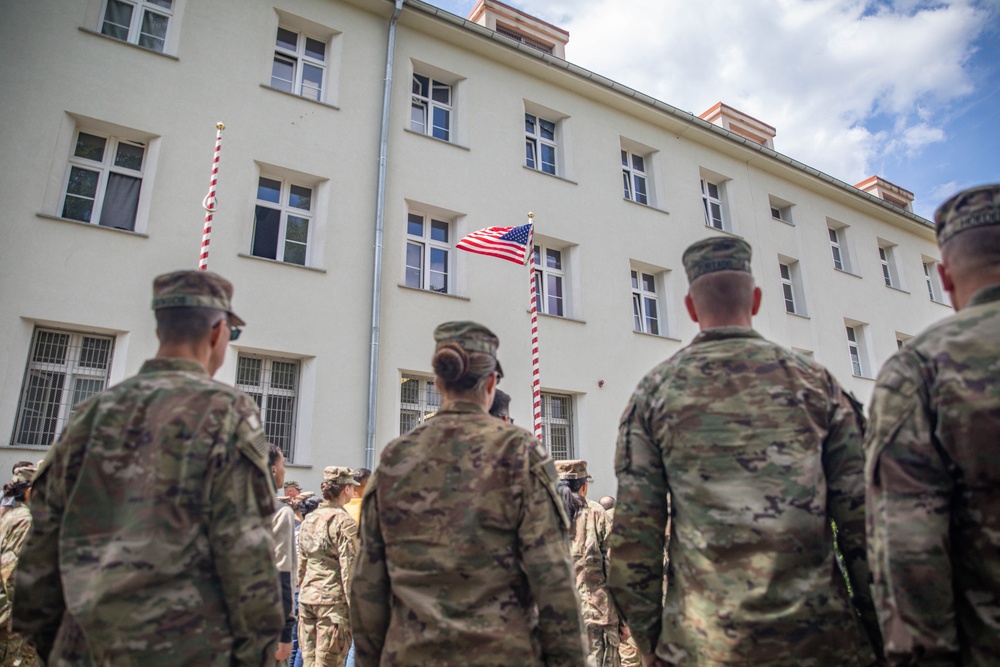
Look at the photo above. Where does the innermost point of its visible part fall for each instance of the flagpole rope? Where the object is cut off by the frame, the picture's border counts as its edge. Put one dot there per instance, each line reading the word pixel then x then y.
pixel 209 203
pixel 536 386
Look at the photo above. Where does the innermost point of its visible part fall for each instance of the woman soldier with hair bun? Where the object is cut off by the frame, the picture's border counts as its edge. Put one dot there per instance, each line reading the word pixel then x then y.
pixel 464 558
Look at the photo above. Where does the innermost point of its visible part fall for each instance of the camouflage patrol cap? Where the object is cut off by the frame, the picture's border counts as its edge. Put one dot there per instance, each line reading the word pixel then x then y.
pixel 718 253
pixel 195 289
pixel 292 485
pixel 339 475
pixel 573 469
pixel 471 337
pixel 975 207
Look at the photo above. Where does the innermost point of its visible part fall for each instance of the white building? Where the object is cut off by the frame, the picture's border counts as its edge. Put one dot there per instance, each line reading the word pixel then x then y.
pixel 109 115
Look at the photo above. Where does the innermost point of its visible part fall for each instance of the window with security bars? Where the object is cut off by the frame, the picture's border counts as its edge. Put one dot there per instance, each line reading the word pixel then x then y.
pixel 64 368
pixel 557 425
pixel 524 39
pixel 419 400
pixel 273 382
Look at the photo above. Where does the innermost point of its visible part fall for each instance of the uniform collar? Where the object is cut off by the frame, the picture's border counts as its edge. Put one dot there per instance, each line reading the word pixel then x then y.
pixel 461 406
pixel 725 333
pixel 167 364
pixel 987 294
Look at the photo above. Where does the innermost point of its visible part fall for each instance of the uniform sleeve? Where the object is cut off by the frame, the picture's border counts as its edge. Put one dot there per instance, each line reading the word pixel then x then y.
pixel 909 488
pixel 843 467
pixel 242 500
pixel 370 587
pixel 638 532
pixel 546 560
pixel 346 540
pixel 11 543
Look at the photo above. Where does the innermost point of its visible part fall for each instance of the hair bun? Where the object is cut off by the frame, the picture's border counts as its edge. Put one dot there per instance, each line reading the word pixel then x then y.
pixel 450 362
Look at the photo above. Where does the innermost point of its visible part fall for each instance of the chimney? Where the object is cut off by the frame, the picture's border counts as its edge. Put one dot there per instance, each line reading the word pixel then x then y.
pixel 740 123
pixel 887 191
pixel 520 27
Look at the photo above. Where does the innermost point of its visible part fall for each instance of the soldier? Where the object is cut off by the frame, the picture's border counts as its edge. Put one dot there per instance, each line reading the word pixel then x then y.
pixel 628 652
pixel 327 548
pixel 932 474
pixel 755 449
pixel 151 538
pixel 501 406
pixel 589 550
pixel 283 526
pixel 464 557
pixel 14 527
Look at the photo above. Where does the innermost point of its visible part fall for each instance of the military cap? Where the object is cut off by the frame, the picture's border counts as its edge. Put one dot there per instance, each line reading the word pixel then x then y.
pixel 471 337
pixel 195 289
pixel 975 207
pixel 717 253
pixel 23 476
pixel 339 475
pixel 573 469
pixel 292 485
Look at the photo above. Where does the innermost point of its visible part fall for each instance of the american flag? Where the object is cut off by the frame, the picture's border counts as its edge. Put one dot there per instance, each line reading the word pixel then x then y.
pixel 510 243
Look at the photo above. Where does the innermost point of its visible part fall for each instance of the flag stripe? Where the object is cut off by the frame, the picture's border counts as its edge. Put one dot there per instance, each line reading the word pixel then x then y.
pixel 500 242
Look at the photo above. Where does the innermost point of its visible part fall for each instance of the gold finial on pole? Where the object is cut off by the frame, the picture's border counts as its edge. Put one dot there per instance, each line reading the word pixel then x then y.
pixel 531 215
pixel 220 125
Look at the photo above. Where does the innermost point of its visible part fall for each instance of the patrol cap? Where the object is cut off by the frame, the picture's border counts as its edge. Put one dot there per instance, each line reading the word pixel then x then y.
pixel 292 485
pixel 573 469
pixel 471 337
pixel 195 289
pixel 717 253
pixel 975 207
pixel 339 475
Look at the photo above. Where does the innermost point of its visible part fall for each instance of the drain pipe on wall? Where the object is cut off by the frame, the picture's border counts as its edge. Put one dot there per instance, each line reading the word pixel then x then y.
pixel 379 230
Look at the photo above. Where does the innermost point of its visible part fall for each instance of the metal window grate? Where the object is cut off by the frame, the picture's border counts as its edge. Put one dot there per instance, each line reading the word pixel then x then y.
pixel 524 39
pixel 419 400
pixel 557 425
pixel 273 384
pixel 64 368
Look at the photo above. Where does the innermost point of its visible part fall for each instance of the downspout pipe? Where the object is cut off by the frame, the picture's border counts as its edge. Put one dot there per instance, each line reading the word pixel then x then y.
pixel 379 232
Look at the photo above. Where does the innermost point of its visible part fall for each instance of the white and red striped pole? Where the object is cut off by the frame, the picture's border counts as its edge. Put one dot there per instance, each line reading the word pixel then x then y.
pixel 209 203
pixel 536 385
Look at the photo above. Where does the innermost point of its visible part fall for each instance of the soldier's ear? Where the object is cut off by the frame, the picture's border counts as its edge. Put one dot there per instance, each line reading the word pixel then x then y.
pixel 689 304
pixel 757 295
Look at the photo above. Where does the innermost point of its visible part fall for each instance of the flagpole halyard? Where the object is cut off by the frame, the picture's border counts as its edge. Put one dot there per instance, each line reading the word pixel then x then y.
pixel 209 203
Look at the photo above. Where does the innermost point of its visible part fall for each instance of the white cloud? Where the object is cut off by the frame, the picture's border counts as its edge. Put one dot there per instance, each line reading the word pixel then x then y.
pixel 845 82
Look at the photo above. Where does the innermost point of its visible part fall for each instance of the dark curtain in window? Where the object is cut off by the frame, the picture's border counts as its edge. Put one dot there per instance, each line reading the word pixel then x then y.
pixel 120 202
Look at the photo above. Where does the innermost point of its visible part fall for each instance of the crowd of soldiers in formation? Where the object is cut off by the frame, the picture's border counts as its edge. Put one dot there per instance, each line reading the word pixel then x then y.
pixel 759 520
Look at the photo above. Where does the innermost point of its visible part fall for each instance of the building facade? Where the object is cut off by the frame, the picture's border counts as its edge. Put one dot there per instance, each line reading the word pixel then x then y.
pixel 110 118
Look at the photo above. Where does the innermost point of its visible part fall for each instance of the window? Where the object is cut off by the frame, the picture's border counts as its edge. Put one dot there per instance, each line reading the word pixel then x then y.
pixel 540 143
pixel 64 368
pixel 550 297
pixel 838 247
pixel 428 253
pixel 419 399
pixel 299 65
pixel 887 258
pixel 901 339
pixel 857 348
pixel 524 39
pixel 557 425
pixel 273 382
pixel 142 22
pixel 431 107
pixel 645 305
pixel 634 177
pixel 780 209
pixel 711 197
pixel 933 281
pixel 282 220
pixel 791 285
pixel 104 180
pixel 787 289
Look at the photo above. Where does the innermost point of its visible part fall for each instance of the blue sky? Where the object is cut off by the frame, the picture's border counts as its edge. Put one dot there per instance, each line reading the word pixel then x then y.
pixel 905 89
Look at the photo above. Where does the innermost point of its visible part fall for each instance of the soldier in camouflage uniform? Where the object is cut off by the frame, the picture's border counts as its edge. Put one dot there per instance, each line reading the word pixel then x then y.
pixel 15 651
pixel 464 555
pixel 932 465
pixel 754 449
pixel 589 549
pixel 327 548
pixel 628 652
pixel 151 538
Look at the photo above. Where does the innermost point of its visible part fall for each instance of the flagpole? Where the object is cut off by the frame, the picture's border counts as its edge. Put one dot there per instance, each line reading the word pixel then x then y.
pixel 536 387
pixel 209 203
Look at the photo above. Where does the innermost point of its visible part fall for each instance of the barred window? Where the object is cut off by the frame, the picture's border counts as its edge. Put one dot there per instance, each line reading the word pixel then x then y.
pixel 419 399
pixel 63 369
pixel 557 425
pixel 273 382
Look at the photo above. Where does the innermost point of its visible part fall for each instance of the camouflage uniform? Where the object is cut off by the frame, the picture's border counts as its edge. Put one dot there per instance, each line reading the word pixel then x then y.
pixel 933 480
pixel 14 528
pixel 327 548
pixel 151 540
pixel 628 651
pixel 758 449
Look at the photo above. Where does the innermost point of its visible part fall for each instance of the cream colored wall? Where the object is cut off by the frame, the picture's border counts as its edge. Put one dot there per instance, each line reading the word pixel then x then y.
pixel 80 277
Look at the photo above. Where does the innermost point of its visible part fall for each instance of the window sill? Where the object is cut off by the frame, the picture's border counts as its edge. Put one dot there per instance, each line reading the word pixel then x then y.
pixel 134 46
pixel 646 206
pixel 660 336
pixel 30 448
pixel 299 97
pixel 428 291
pixel 46 216
pixel 847 273
pixel 898 289
pixel 727 232
pixel 787 222
pixel 804 317
pixel 274 261
pixel 561 317
pixel 942 303
pixel 300 466
pixel 545 173
pixel 862 377
pixel 435 139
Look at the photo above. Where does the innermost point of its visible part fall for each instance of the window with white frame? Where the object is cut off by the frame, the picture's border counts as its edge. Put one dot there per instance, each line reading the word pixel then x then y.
pixel 713 198
pixel 838 248
pixel 887 258
pixel 857 348
pixel 780 209
pixel 901 339
pixel 787 288
pixel 428 253
pixel 104 180
pixel 419 400
pixel 141 22
pixel 634 177
pixel 557 425
pixel 791 285
pixel 273 382
pixel 283 218
pixel 431 106
pixel 299 64
pixel 539 143
pixel 646 315
pixel 933 281
pixel 64 368
pixel 550 281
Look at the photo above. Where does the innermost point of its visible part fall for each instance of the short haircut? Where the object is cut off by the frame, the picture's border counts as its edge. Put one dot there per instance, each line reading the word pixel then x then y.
pixel 723 294
pixel 362 474
pixel 273 454
pixel 501 403
pixel 607 502
pixel 185 324
pixel 973 251
pixel 21 465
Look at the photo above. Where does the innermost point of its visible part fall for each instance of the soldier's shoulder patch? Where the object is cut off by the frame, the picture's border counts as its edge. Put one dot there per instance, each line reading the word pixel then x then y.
pixel 549 468
pixel 252 443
